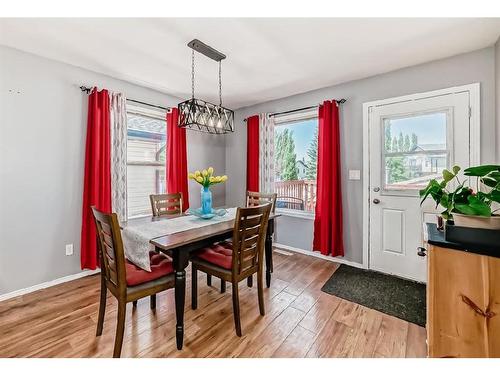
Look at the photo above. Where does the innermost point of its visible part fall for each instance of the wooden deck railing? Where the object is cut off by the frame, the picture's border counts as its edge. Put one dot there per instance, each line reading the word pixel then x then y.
pixel 300 189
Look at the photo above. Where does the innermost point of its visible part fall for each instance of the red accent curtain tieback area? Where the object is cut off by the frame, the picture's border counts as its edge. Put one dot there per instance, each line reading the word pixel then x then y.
pixel 177 175
pixel 97 177
pixel 253 153
pixel 328 225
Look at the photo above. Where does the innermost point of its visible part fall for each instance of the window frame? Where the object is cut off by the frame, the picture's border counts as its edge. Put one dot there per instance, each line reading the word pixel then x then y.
pixel 290 119
pixel 155 114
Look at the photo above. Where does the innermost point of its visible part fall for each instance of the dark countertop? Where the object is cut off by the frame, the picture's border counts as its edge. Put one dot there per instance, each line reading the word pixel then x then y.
pixel 436 237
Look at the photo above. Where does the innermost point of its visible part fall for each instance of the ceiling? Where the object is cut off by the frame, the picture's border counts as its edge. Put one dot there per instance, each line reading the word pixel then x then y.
pixel 267 58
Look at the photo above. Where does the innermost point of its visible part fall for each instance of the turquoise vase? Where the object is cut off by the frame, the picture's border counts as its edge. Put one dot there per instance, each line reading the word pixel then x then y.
pixel 206 201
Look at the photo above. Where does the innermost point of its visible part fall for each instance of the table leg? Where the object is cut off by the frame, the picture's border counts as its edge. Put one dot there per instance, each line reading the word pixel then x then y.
pixel 180 262
pixel 269 252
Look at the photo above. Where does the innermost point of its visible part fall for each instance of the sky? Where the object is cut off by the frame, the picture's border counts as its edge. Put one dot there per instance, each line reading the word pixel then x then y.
pixel 429 128
pixel 303 133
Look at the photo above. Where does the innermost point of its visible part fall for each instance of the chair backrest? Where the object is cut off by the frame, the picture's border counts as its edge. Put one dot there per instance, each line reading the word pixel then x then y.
pixel 250 227
pixel 292 203
pixel 255 198
pixel 166 204
pixel 110 245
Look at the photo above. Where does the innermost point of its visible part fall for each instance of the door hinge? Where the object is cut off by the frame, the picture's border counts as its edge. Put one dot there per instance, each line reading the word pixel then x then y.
pixel 470 112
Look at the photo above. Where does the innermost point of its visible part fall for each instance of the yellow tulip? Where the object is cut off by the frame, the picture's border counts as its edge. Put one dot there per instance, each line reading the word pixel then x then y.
pixel 199 179
pixel 210 171
pixel 212 179
pixel 223 178
pixel 197 173
pixel 204 173
pixel 191 176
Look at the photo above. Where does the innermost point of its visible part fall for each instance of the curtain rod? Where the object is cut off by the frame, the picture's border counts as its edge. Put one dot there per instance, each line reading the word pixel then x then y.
pixel 88 89
pixel 340 101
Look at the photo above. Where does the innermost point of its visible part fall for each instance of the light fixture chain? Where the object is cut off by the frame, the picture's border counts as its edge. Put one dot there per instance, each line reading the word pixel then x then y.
pixel 220 83
pixel 192 74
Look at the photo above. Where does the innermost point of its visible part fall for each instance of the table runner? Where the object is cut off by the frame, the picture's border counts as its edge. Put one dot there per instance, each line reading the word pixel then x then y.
pixel 136 237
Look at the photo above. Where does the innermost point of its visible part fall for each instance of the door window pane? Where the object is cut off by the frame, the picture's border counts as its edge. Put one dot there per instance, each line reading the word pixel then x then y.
pixel 415 150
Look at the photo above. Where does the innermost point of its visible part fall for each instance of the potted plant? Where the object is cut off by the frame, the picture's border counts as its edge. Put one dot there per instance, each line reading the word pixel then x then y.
pixel 462 204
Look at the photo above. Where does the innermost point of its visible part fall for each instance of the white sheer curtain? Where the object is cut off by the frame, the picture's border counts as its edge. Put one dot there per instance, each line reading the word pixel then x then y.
pixel 266 150
pixel 118 122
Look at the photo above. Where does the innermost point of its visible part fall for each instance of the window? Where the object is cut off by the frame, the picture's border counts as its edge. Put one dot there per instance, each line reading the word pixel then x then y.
pixel 415 150
pixel 295 160
pixel 146 153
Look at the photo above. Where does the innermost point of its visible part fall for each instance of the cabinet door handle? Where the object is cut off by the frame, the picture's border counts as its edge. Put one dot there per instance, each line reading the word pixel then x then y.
pixel 421 251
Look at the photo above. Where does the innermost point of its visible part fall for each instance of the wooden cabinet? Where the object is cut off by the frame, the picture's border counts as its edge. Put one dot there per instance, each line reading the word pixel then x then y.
pixel 463 304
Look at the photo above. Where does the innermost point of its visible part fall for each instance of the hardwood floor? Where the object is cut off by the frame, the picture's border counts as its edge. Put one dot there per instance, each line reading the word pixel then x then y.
pixel 300 321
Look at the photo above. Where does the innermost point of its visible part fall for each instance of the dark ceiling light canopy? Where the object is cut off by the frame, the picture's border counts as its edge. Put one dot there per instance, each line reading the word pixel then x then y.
pixel 201 115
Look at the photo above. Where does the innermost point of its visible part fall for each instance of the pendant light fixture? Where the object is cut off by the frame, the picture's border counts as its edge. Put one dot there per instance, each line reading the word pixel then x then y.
pixel 198 114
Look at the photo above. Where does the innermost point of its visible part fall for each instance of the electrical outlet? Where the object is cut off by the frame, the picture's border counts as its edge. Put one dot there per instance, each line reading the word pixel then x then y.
pixel 69 249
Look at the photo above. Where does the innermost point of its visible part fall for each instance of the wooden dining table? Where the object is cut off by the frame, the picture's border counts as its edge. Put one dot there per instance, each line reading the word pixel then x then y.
pixel 181 245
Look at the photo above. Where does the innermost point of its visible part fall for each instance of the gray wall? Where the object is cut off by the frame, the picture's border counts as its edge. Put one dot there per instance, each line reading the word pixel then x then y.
pixel 42 141
pixel 478 66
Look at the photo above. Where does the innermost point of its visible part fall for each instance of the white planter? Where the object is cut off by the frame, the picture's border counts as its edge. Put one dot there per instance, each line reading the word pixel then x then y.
pixel 471 221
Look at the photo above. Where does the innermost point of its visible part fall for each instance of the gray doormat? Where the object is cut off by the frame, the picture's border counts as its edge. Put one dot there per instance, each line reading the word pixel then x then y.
pixel 391 295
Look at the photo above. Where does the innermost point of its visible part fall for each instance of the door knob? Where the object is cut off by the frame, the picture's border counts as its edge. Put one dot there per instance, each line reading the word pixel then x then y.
pixel 421 251
pixel 376 201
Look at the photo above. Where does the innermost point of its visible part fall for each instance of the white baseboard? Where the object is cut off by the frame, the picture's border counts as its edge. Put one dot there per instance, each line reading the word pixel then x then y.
pixel 318 255
pixel 20 292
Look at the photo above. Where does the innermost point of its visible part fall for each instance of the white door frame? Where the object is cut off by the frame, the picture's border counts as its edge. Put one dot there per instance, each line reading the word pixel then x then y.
pixel 474 150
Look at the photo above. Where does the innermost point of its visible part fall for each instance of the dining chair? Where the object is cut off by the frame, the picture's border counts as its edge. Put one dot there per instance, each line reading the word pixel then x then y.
pixel 166 204
pixel 237 260
pixel 171 204
pixel 126 281
pixel 255 198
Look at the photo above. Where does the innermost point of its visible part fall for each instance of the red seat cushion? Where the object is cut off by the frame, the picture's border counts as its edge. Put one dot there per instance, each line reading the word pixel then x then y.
pixel 160 266
pixel 220 254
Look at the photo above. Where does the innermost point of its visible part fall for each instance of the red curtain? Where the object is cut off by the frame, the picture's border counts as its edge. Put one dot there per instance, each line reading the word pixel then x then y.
pixel 97 178
pixel 177 175
pixel 328 238
pixel 253 153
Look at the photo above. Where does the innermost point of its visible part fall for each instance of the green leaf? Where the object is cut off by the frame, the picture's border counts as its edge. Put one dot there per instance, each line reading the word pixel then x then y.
pixel 495 196
pixel 465 209
pixel 494 175
pixel 489 182
pixel 433 185
pixel 456 169
pixel 447 175
pixel 481 170
pixel 444 201
pixel 479 206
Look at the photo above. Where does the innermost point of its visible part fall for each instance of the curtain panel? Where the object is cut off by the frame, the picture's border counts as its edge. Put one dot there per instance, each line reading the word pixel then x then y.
pixel 118 120
pixel 266 153
pixel 97 174
pixel 328 224
pixel 253 153
pixel 177 175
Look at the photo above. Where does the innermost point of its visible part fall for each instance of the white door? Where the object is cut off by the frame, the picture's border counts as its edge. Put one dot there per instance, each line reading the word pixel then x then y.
pixel 411 142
